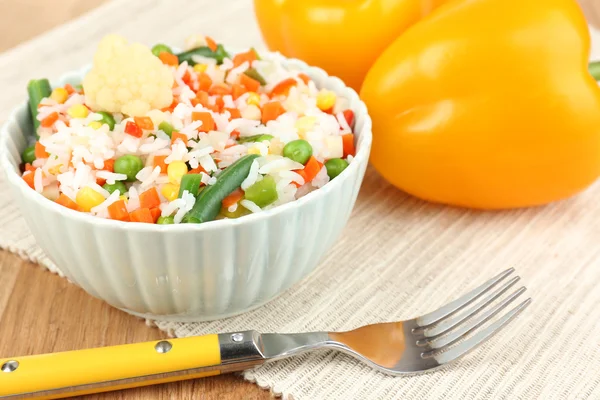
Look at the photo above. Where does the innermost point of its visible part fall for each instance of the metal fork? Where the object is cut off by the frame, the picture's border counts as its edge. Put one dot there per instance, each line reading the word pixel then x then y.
pixel 406 347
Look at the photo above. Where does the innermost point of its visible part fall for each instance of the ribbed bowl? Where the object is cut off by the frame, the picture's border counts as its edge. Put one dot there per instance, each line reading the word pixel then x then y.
pixel 191 272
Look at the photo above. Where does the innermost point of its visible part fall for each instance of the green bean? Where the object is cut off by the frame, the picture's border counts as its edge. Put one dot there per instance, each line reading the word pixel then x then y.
pixel 252 73
pixel 208 203
pixel 120 186
pixel 159 48
pixel 220 54
pixel 166 128
pixel 298 150
pixel 335 166
pixel 255 138
pixel 191 183
pixel 37 90
pixel 107 119
pixel 28 155
pixel 263 192
pixel 165 220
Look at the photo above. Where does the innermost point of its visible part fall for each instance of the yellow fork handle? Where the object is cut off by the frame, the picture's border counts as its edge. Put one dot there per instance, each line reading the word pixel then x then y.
pixel 75 373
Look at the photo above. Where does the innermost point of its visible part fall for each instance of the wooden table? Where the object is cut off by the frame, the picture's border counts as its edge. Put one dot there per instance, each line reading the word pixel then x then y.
pixel 41 312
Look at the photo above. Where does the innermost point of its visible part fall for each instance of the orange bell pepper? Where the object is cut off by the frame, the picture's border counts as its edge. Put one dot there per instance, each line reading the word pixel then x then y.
pixel 342 37
pixel 488 104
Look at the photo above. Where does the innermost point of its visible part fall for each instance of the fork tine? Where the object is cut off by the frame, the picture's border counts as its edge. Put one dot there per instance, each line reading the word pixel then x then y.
pixel 451 308
pixel 446 326
pixel 474 341
pixel 448 340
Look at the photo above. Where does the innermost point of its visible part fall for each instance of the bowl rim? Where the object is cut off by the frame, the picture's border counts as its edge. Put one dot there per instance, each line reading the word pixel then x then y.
pixel 364 141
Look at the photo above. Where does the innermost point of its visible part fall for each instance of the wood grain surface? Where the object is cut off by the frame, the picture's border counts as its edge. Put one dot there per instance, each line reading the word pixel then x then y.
pixel 41 312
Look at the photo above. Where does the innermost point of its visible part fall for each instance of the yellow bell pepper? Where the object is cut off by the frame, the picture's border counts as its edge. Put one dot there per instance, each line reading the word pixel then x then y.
pixel 488 104
pixel 342 37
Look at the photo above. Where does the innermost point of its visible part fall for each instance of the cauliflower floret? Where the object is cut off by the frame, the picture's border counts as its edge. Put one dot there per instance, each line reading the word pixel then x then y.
pixel 127 78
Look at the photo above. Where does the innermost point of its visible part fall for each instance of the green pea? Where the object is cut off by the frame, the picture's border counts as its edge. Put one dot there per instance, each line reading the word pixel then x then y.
pixel 165 220
pixel 166 128
pixel 335 166
pixel 129 165
pixel 28 155
pixel 107 119
pixel 263 192
pixel 298 150
pixel 159 48
pixel 120 186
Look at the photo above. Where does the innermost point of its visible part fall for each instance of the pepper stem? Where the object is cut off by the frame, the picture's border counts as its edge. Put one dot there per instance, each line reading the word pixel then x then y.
pixel 595 70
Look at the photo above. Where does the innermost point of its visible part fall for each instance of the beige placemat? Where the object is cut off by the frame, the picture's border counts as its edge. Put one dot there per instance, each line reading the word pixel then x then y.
pixel 398 257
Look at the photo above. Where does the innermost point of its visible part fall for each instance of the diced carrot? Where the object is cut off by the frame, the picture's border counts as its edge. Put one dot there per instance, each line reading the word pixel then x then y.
pixel 237 90
pixel 178 135
pixel 144 123
pixel 233 112
pixel 235 134
pixel 155 212
pixel 109 165
pixel 219 102
pixel 171 107
pixel 118 211
pixel 208 124
pixel 213 107
pixel 202 98
pixel 348 143
pixel 305 78
pixel 168 58
pixel 28 178
pixel 271 111
pixel 40 151
pixel 131 128
pixel 70 89
pixel 240 58
pixel 160 162
pixel 141 215
pixel 283 87
pixel 49 120
pixel 349 117
pixel 311 169
pixel 29 167
pixel 65 201
pixel 210 42
pixel 219 88
pixel 204 81
pixel 149 198
pixel 197 170
pixel 187 77
pixel 251 84
pixel 233 198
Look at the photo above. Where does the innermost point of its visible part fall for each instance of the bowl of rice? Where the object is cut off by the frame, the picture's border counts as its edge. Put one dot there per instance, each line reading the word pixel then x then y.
pixel 187 185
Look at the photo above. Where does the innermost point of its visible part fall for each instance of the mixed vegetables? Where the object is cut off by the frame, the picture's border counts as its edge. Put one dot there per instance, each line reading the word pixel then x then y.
pixel 157 137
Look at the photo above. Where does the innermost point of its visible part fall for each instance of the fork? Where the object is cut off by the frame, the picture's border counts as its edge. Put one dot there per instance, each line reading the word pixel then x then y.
pixel 406 347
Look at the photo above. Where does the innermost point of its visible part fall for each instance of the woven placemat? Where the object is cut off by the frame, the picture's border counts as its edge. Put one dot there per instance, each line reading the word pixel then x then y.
pixel 398 256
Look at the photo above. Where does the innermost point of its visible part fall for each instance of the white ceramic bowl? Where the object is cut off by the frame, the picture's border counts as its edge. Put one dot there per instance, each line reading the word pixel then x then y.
pixel 191 272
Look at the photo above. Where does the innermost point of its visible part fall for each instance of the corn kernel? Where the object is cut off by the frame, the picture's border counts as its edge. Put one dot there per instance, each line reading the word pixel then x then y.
pixel 254 150
pixel 276 147
pixel 59 95
pixel 251 112
pixel 305 124
pixel 326 99
pixel 123 197
pixel 253 98
pixel 78 111
pixel 175 171
pixel 200 68
pixel 96 124
pixel 170 191
pixel 87 198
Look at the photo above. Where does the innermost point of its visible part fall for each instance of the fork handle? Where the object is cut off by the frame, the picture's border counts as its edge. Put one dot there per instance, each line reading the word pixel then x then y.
pixel 75 373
